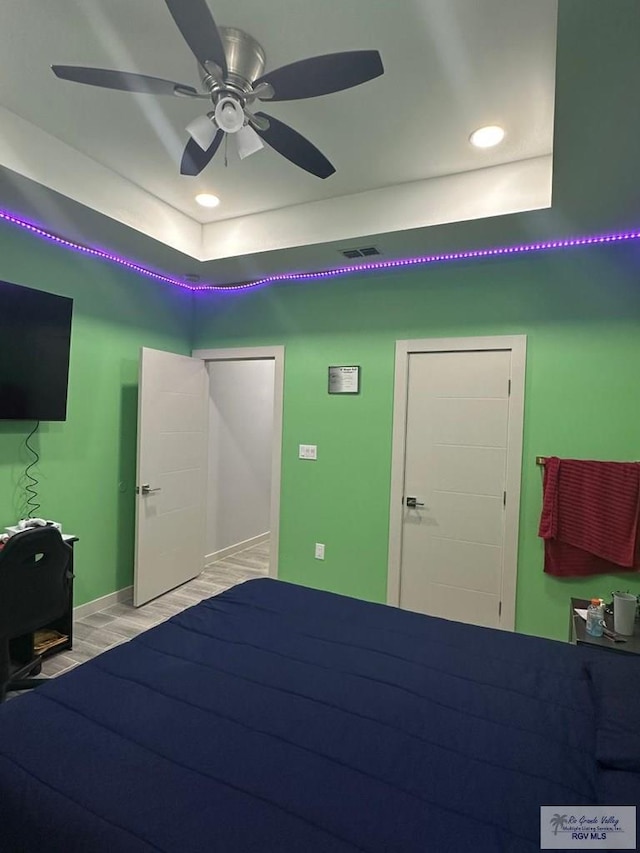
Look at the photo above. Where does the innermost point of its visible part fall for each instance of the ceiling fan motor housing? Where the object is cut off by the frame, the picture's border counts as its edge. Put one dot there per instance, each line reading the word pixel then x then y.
pixel 245 59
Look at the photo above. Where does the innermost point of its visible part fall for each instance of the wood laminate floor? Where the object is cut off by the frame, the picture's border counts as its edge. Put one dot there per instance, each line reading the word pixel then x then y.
pixel 121 622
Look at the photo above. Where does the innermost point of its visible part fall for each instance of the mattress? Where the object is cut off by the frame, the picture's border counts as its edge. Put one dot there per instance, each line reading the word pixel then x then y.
pixel 278 718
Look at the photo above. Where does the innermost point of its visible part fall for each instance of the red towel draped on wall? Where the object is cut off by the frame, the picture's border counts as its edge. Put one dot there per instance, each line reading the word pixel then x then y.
pixel 589 517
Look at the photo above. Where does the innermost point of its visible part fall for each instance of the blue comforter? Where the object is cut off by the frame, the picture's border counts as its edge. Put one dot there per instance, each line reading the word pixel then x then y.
pixel 278 718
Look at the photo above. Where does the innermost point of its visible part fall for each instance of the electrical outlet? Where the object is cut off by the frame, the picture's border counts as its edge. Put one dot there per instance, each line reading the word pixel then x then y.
pixel 307 451
pixel 319 551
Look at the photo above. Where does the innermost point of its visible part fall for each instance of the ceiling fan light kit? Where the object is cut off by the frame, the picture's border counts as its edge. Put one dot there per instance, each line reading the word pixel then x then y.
pixel 203 130
pixel 231 67
pixel 248 142
pixel 228 114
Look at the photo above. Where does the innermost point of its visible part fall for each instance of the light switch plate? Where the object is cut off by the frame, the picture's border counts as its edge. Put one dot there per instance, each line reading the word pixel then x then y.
pixel 307 451
pixel 319 551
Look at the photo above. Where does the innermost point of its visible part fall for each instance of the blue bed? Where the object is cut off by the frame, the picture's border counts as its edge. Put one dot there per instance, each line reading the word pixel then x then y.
pixel 277 718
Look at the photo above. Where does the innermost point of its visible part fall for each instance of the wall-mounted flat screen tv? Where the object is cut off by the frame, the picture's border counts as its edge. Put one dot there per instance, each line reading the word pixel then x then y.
pixel 35 339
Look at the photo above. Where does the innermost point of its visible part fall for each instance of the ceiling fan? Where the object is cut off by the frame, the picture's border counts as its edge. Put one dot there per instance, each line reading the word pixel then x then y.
pixel 231 65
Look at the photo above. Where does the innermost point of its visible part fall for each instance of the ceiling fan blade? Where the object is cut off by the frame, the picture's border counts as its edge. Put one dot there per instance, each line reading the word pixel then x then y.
pixel 199 30
pixel 122 80
pixel 288 142
pixel 203 130
pixel 321 75
pixel 194 159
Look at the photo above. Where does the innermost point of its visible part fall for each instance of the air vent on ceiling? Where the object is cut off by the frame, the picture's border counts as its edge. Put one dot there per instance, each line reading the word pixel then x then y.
pixel 360 253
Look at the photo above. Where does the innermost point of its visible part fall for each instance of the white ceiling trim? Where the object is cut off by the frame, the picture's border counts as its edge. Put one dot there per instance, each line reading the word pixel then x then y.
pixel 509 188
pixel 36 154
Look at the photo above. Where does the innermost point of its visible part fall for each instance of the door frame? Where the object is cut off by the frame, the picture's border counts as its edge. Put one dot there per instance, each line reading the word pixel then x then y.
pixel 518 346
pixel 275 354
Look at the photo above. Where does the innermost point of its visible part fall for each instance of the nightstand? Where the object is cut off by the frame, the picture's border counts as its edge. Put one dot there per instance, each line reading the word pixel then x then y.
pixel 578 632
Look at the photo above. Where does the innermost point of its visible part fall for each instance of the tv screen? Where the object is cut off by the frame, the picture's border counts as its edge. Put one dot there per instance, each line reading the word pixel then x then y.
pixel 35 336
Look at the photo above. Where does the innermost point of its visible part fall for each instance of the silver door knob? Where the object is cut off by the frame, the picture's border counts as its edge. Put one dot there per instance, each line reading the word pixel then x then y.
pixel 146 489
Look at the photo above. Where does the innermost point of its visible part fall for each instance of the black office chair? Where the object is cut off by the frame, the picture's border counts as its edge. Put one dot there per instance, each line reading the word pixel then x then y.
pixel 35 579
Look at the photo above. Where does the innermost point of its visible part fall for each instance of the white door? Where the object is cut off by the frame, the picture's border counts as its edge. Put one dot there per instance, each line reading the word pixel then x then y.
pixel 172 472
pixel 456 447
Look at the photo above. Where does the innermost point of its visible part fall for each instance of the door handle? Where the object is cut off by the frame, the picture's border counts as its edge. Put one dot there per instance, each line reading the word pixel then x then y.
pixel 413 503
pixel 146 489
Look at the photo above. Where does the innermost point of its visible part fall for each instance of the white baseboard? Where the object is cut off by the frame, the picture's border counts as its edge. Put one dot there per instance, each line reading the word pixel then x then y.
pixel 234 549
pixel 126 594
pixel 97 604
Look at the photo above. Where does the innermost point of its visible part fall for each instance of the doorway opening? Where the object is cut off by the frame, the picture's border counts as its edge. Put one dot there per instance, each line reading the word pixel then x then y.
pixel 245 446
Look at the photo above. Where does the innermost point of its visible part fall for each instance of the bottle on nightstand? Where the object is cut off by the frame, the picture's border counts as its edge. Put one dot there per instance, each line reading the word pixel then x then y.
pixel 595 618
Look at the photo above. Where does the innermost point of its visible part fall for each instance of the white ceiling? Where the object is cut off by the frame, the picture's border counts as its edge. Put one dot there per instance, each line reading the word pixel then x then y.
pixel 450 67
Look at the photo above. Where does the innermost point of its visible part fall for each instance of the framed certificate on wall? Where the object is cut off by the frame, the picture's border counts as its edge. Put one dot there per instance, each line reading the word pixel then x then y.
pixel 344 379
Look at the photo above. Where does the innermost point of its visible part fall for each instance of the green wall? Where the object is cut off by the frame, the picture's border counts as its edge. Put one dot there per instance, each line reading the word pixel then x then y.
pixel 87 464
pixel 580 310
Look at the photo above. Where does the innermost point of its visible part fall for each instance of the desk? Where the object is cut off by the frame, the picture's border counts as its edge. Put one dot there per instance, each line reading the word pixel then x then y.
pixel 578 631
pixel 21 648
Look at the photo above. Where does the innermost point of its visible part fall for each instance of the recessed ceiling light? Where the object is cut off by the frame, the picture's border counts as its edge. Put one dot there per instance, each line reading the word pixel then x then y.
pixel 207 200
pixel 487 137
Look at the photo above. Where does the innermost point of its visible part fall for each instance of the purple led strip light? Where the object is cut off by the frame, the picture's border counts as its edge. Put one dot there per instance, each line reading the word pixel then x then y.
pixel 87 250
pixel 523 248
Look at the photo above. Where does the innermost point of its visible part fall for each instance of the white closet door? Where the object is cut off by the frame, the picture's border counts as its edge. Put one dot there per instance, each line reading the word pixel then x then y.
pixel 455 479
